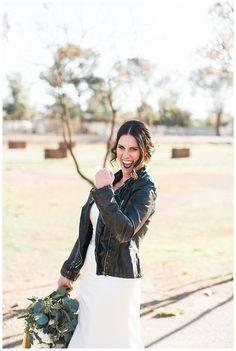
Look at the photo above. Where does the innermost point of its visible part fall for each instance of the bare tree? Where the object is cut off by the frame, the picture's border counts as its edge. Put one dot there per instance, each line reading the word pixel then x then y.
pixel 109 96
pixel 108 90
pixel 218 53
pixel 216 71
pixel 57 78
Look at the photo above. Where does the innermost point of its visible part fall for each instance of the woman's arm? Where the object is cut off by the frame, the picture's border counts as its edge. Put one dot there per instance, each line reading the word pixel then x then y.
pixel 72 266
pixel 139 208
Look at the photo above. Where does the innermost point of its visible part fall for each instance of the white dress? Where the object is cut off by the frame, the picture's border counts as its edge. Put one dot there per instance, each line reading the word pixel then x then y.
pixel 109 312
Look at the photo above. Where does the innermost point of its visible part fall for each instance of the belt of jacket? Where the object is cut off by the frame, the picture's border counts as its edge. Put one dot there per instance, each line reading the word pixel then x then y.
pixel 123 220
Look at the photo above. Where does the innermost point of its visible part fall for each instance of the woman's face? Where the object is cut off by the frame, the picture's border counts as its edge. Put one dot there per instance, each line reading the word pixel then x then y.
pixel 127 153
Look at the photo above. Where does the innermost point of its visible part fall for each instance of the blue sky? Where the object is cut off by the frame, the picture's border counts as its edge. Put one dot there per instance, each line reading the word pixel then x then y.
pixel 167 33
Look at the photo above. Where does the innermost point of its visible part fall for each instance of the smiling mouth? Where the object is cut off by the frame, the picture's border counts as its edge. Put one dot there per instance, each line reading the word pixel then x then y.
pixel 127 164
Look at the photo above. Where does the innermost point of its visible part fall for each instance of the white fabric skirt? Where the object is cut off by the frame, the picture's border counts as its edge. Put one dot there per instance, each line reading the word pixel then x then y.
pixel 109 312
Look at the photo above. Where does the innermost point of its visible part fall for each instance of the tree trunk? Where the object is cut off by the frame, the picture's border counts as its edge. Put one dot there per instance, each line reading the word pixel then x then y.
pixel 218 121
pixel 113 120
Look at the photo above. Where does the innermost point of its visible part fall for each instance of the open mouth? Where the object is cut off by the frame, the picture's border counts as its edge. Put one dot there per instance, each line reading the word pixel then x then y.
pixel 127 164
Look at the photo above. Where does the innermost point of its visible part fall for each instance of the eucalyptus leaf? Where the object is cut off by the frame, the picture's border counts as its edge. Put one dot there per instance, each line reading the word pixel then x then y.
pixel 71 314
pixel 67 337
pixel 41 319
pixel 66 299
pixel 74 305
pixel 72 325
pixel 38 307
pixel 56 297
pixel 62 291
pixel 54 312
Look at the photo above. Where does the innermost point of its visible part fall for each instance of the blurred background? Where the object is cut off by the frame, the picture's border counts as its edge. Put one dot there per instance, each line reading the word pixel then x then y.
pixel 73 72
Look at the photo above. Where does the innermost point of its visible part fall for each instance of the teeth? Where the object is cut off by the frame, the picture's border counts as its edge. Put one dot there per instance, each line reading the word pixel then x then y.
pixel 127 164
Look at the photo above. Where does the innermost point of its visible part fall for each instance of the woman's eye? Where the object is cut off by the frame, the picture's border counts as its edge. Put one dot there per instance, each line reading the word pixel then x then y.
pixel 131 149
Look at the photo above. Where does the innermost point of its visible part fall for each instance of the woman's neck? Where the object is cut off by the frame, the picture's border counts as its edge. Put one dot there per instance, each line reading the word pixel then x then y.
pixel 123 179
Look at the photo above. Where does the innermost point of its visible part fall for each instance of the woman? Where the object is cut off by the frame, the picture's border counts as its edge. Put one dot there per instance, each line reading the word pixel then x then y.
pixel 113 223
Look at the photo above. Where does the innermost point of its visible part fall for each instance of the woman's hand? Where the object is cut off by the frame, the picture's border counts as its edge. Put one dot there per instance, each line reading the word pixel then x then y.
pixel 104 177
pixel 65 282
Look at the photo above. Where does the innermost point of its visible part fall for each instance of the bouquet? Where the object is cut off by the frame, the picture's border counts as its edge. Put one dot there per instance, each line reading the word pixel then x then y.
pixel 50 321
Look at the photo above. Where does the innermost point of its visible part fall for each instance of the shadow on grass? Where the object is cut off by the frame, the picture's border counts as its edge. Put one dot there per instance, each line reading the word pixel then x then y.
pixel 13 344
pixel 11 336
pixel 201 315
pixel 201 280
pixel 172 299
pixel 12 314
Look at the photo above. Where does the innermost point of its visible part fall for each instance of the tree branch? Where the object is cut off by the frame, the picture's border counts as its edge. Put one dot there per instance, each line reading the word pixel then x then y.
pixel 66 122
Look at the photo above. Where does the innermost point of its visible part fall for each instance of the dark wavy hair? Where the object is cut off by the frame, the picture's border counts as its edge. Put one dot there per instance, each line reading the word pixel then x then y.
pixel 142 135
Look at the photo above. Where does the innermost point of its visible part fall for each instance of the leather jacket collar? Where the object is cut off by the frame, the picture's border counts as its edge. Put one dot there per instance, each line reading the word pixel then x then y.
pixel 118 176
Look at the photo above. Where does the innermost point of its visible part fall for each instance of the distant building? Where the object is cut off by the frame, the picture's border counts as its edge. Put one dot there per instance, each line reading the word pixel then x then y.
pixel 165 130
pixel 17 126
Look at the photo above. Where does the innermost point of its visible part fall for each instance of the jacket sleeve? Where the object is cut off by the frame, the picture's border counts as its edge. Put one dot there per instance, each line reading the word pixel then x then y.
pixel 72 266
pixel 139 208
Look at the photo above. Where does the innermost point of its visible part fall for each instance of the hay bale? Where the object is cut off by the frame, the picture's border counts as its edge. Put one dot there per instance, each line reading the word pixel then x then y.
pixel 16 144
pixel 55 153
pixel 62 144
pixel 183 152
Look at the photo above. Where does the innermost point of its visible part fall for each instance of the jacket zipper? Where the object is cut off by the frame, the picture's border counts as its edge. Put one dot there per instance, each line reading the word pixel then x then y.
pixel 104 269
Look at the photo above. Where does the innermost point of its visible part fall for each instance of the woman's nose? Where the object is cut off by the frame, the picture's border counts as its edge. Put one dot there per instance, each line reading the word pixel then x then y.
pixel 126 154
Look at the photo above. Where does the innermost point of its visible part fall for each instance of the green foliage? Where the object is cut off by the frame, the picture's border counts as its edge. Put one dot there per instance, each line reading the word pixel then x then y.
pixel 73 69
pixel 16 106
pixel 98 107
pixel 146 113
pixel 171 115
pixel 55 110
pixel 54 316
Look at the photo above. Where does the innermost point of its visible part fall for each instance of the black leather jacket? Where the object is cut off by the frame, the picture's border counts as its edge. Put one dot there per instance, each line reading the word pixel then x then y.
pixel 123 221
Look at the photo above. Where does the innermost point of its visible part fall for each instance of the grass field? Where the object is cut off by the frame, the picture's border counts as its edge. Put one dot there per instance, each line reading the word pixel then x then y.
pixel 190 235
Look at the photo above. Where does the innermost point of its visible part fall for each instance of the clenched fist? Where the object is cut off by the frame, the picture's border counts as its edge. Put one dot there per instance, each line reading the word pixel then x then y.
pixel 104 177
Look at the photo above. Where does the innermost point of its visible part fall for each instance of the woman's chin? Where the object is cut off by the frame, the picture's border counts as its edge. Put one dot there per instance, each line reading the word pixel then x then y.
pixel 126 171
